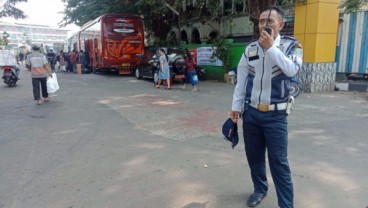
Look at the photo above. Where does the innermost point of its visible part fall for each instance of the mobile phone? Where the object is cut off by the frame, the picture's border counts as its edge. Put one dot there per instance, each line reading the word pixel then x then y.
pixel 268 29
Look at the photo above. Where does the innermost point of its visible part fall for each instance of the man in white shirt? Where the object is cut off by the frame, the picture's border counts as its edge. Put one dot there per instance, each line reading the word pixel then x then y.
pixel 262 93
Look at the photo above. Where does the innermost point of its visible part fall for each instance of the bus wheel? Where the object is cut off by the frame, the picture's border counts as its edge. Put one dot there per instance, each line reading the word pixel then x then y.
pixel 138 73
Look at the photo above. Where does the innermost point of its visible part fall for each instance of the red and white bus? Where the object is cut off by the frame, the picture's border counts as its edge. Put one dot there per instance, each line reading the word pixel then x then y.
pixel 112 42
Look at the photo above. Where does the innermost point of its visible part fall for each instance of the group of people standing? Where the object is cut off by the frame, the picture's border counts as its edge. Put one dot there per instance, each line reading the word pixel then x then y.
pixel 66 61
pixel 164 71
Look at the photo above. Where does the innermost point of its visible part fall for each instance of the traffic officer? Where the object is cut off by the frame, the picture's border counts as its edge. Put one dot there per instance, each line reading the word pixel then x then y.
pixel 262 93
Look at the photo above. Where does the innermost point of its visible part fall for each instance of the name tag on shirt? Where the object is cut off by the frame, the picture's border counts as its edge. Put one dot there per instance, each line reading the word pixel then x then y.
pixel 253 53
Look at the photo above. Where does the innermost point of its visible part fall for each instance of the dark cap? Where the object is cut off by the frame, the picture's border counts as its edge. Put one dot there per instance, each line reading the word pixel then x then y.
pixel 230 132
pixel 35 47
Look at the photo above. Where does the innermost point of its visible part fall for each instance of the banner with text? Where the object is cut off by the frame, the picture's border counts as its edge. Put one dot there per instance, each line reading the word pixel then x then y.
pixel 204 57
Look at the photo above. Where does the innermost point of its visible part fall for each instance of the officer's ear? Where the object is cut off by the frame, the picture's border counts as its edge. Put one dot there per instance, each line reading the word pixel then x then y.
pixel 281 25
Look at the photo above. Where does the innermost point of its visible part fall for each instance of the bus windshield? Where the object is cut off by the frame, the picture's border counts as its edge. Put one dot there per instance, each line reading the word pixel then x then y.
pixel 118 27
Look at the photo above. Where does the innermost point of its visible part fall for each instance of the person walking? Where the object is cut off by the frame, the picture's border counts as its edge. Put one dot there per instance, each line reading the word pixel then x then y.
pixel 50 58
pixel 73 60
pixel 164 72
pixel 190 72
pixel 262 93
pixel 81 59
pixel 39 72
pixel 21 54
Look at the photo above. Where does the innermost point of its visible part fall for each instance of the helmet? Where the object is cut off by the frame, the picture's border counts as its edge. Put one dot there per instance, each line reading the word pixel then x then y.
pixel 35 47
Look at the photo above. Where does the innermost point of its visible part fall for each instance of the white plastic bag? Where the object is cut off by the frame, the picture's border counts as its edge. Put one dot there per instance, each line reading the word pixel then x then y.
pixel 57 67
pixel 52 84
pixel 194 79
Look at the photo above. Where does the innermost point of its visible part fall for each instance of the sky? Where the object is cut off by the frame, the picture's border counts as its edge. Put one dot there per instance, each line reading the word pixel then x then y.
pixel 42 12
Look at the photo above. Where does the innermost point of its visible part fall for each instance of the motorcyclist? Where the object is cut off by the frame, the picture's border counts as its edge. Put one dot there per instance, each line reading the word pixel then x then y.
pixel 11 59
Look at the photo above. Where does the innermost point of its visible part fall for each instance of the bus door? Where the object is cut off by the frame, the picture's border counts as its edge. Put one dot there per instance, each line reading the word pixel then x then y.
pixel 90 54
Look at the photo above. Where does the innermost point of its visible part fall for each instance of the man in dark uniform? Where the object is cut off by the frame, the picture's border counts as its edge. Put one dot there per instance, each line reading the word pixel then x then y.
pixel 50 58
pixel 262 93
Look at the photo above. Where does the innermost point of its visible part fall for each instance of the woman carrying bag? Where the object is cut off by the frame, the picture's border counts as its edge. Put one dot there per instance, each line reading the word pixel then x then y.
pixel 164 72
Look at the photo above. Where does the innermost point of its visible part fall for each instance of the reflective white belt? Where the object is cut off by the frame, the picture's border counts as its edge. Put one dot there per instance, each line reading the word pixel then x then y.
pixel 272 107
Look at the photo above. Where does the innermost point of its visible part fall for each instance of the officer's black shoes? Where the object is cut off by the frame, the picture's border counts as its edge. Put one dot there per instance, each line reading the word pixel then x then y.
pixel 255 199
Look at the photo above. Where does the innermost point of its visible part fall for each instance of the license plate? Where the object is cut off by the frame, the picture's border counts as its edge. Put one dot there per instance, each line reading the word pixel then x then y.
pixel 182 76
pixel 125 64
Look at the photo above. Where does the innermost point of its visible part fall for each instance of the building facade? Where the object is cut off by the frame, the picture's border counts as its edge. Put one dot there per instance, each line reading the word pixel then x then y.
pixel 352 43
pixel 27 34
pixel 200 21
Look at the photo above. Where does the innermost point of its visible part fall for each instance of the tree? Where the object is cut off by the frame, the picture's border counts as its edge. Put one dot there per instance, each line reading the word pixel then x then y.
pixel 8 9
pixel 353 5
pixel 255 8
pixel 26 38
pixel 80 12
pixel 4 39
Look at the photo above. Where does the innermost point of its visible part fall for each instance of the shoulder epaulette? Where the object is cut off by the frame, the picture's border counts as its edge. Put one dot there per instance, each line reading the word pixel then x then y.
pixel 252 42
pixel 288 38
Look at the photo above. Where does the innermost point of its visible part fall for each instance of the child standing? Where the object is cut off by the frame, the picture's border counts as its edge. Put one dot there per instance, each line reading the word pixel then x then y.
pixel 190 68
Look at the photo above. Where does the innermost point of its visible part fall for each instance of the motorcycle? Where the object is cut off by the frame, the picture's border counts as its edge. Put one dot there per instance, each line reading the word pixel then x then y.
pixel 10 76
pixel 201 72
pixel 295 87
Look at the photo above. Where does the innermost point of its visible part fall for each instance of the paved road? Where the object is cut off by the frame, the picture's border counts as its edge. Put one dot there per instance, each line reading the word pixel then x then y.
pixel 117 142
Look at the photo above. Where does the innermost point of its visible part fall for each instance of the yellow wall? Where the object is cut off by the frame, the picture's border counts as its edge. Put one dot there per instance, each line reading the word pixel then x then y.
pixel 316 25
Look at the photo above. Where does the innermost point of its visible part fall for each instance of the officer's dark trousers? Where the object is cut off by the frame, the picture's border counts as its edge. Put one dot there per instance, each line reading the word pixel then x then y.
pixel 36 82
pixel 268 130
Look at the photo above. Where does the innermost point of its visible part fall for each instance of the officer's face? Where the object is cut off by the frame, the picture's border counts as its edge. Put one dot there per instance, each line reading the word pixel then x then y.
pixel 275 22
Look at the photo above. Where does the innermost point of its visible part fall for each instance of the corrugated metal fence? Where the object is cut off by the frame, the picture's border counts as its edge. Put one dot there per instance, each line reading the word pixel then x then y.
pixel 352 46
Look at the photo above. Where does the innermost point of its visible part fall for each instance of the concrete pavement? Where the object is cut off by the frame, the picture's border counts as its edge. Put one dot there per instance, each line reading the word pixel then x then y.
pixel 114 141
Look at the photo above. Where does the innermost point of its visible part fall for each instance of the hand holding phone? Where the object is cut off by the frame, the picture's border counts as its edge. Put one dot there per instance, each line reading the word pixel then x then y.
pixel 268 29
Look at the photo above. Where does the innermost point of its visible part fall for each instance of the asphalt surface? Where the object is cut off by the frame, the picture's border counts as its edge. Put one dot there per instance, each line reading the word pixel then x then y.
pixel 116 142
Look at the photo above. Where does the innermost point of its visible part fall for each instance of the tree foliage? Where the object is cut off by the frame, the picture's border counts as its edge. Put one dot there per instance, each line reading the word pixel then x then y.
pixel 9 9
pixel 80 12
pixel 353 5
pixel 4 39
pixel 149 8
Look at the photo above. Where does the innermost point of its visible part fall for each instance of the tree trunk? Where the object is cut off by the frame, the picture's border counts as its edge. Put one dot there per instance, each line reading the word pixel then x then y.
pixel 255 7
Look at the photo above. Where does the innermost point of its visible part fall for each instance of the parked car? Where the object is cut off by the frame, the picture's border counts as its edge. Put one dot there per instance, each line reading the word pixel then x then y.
pixel 148 65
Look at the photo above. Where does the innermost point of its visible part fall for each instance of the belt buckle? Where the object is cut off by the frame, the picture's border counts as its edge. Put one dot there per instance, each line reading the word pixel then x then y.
pixel 263 108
